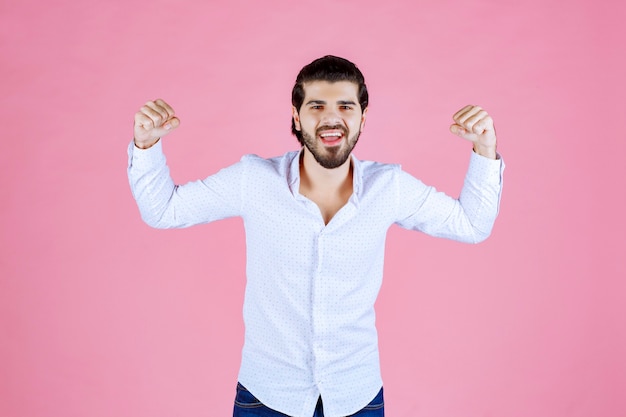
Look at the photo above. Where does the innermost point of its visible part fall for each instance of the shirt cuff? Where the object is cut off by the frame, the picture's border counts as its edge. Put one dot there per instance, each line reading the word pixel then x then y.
pixel 144 158
pixel 486 168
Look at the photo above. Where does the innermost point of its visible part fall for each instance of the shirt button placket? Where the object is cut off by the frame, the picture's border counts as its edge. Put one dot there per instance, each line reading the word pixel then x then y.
pixel 318 319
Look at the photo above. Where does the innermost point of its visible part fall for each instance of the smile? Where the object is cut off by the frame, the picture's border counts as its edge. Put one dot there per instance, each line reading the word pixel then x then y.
pixel 331 137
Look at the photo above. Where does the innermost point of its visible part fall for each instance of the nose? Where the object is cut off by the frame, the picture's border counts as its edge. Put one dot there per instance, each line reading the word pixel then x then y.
pixel 330 117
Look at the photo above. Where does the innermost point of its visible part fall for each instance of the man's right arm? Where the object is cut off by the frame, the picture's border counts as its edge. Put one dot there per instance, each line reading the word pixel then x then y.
pixel 163 204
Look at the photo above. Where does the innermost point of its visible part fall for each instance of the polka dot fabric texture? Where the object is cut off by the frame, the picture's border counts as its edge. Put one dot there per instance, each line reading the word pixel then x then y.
pixel 311 287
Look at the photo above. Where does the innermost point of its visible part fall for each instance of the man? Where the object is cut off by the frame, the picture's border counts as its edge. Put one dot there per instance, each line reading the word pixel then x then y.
pixel 315 221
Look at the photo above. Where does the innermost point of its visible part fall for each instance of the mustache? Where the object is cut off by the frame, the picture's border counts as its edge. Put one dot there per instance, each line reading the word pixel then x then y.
pixel 321 129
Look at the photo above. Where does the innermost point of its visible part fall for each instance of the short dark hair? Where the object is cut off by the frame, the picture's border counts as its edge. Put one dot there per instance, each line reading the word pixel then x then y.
pixel 328 68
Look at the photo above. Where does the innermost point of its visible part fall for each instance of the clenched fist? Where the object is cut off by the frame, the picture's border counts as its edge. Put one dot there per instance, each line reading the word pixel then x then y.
pixel 153 121
pixel 474 124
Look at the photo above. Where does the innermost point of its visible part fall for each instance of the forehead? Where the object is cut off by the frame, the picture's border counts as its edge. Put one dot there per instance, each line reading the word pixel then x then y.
pixel 326 90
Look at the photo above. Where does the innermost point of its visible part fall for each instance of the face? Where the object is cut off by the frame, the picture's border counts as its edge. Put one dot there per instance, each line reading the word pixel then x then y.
pixel 330 120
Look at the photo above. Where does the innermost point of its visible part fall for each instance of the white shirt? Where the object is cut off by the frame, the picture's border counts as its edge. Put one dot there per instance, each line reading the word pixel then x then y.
pixel 310 292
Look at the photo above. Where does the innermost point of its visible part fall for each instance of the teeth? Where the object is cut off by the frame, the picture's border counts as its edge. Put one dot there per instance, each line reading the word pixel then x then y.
pixel 325 135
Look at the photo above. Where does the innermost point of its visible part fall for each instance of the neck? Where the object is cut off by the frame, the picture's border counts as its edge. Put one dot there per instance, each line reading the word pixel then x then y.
pixel 316 177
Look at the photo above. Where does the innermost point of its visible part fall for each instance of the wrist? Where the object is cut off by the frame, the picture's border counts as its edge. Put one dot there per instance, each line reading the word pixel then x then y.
pixel 486 151
pixel 145 145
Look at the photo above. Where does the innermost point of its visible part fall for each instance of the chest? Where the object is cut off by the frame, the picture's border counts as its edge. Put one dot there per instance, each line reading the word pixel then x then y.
pixel 328 203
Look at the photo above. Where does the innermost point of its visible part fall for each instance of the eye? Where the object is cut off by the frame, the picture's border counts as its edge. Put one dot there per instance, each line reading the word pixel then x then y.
pixel 317 107
pixel 345 107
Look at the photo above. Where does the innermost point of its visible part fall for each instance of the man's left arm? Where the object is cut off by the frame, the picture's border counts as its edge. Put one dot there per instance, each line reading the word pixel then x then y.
pixel 469 218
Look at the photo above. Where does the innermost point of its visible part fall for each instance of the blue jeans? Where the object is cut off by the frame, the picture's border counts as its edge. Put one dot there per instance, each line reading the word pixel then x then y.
pixel 247 405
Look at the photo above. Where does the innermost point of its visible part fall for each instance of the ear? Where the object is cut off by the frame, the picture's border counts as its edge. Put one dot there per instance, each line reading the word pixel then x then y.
pixel 363 117
pixel 296 118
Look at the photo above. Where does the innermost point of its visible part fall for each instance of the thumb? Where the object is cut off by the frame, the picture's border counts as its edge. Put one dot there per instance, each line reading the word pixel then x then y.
pixel 167 127
pixel 172 123
pixel 460 131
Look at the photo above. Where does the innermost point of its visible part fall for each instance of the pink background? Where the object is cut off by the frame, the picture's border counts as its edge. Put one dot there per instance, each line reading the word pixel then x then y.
pixel 102 316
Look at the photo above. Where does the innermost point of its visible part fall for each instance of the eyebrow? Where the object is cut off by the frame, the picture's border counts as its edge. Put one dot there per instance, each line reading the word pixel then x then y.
pixel 340 102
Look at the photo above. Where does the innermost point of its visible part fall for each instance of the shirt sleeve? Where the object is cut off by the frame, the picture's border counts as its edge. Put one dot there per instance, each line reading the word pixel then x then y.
pixel 163 204
pixel 470 218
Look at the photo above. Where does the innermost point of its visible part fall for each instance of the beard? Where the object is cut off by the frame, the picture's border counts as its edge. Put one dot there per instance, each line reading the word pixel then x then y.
pixel 330 156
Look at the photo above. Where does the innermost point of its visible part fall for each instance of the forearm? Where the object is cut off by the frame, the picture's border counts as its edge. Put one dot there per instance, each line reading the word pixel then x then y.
pixel 151 184
pixel 481 193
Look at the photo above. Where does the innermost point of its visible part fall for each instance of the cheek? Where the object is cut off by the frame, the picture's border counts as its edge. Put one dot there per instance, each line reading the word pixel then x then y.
pixel 356 125
pixel 309 123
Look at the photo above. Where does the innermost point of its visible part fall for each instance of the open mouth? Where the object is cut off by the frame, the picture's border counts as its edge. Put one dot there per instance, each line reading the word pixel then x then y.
pixel 331 137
